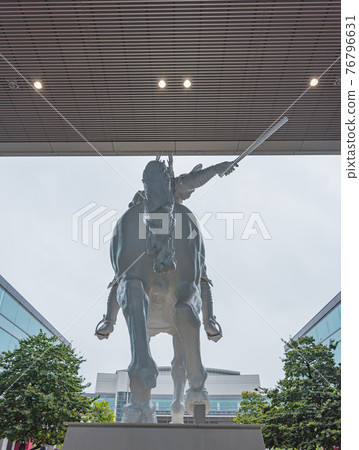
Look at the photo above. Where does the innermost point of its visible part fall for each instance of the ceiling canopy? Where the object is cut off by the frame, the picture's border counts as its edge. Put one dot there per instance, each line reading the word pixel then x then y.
pixel 100 62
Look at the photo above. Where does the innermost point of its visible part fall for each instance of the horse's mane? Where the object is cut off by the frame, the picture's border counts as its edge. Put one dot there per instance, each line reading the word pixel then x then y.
pixel 157 185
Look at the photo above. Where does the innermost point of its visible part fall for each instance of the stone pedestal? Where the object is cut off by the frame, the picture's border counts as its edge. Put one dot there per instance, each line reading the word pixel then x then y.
pixel 95 436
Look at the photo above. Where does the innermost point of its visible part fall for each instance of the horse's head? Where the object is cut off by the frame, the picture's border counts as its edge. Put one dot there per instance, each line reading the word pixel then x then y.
pixel 158 207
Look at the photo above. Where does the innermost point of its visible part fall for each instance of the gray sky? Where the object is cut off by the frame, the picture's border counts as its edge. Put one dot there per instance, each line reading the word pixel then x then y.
pixel 287 279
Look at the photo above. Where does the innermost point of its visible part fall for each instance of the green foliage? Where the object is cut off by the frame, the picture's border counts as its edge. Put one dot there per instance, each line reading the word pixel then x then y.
pixel 303 410
pixel 41 389
pixel 252 407
pixel 100 413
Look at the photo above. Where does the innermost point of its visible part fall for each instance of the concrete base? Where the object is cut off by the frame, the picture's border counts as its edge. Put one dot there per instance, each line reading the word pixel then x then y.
pixel 95 436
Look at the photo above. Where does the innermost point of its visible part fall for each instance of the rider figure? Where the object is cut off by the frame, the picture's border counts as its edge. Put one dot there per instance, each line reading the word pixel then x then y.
pixel 182 186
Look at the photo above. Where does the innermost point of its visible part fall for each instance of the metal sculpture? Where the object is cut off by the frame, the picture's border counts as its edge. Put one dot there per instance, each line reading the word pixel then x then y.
pixel 161 285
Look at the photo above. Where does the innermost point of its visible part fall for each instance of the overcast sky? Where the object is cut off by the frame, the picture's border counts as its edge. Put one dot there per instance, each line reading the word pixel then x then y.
pixel 285 280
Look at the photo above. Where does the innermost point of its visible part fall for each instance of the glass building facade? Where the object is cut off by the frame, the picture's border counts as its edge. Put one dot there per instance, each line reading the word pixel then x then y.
pixel 325 326
pixel 224 387
pixel 18 319
pixel 220 405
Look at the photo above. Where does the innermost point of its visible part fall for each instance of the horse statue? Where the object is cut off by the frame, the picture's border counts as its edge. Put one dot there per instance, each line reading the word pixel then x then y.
pixel 157 285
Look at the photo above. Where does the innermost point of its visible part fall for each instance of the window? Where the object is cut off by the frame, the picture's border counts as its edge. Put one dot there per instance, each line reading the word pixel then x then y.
pixel 13 343
pixel 6 325
pixel 4 341
pixel 333 320
pixel 322 329
pixel 11 328
pixel 110 398
pixel 1 296
pixel 224 404
pixel 9 307
pixel 337 353
pixel 122 398
pixel 163 403
pixel 47 332
pixel 313 333
pixel 22 318
pixel 34 327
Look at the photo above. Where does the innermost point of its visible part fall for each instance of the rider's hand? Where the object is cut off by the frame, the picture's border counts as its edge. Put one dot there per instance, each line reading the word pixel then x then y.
pixel 225 168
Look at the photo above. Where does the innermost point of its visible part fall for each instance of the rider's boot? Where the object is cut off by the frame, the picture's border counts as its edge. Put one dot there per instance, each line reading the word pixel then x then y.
pixel 106 326
pixel 212 327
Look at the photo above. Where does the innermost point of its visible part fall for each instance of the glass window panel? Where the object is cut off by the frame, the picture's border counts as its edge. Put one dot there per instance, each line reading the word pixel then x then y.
pixel 1 297
pixel 9 307
pixel 13 343
pixel 121 401
pixel 19 334
pixel 47 332
pixel 322 330
pixel 313 333
pixel 34 327
pixel 337 336
pixel 4 341
pixel 22 318
pixel 226 405
pixel 110 398
pixel 6 325
pixel 337 354
pixel 11 328
pixel 333 320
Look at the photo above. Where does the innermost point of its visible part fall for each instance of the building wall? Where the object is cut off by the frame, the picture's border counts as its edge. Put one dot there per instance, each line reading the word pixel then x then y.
pixel 18 319
pixel 325 326
pixel 224 387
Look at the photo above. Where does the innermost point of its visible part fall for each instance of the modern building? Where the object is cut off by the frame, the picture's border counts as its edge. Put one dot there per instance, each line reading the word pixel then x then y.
pixel 224 387
pixel 325 326
pixel 19 320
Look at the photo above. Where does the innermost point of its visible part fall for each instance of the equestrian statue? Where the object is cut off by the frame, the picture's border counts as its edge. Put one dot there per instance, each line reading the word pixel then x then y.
pixel 161 285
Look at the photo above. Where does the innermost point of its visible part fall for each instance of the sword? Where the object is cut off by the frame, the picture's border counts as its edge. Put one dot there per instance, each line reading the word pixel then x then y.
pixel 259 141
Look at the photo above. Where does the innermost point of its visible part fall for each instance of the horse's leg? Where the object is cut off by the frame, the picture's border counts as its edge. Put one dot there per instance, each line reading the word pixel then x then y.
pixel 143 370
pixel 188 325
pixel 179 379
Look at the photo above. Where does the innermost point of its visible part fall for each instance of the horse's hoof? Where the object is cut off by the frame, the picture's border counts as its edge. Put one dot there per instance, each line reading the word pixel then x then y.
pixel 139 413
pixel 194 396
pixel 177 412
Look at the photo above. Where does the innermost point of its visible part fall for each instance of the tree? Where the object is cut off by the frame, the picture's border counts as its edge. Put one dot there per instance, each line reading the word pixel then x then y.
pixel 40 390
pixel 303 410
pixel 252 408
pixel 100 413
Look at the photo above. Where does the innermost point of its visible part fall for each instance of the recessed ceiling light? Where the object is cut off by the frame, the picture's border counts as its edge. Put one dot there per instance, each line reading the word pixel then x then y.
pixel 314 82
pixel 37 84
pixel 13 85
pixel 162 84
pixel 187 83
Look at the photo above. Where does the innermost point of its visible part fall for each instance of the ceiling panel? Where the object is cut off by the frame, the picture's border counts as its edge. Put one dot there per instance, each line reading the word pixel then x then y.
pixel 100 62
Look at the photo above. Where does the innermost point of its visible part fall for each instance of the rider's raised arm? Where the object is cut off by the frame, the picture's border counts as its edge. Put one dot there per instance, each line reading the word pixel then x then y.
pixel 193 180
